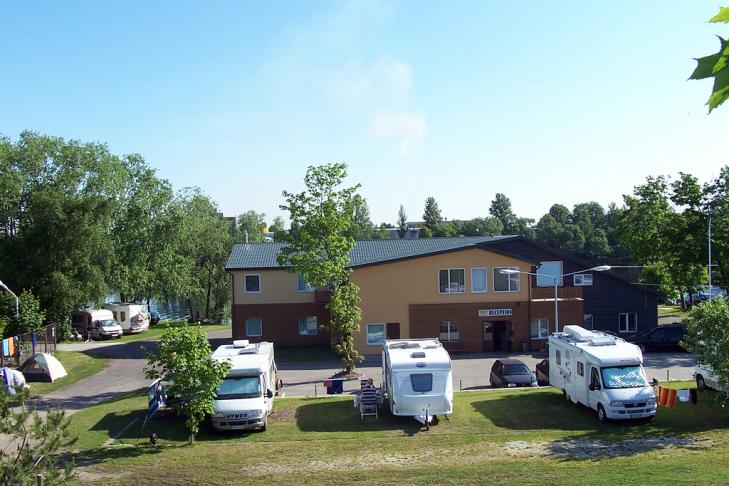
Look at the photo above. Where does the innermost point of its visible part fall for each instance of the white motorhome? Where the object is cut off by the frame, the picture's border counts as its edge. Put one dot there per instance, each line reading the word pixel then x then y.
pixel 706 378
pixel 417 379
pixel 133 318
pixel 100 323
pixel 245 398
pixel 602 372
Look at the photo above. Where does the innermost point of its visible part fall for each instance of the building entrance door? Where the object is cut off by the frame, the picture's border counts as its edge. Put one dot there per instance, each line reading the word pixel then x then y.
pixel 501 335
pixel 488 336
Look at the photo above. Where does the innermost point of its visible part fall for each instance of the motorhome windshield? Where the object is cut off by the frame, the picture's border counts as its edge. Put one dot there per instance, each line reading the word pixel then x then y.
pixel 623 377
pixel 516 369
pixel 108 323
pixel 237 387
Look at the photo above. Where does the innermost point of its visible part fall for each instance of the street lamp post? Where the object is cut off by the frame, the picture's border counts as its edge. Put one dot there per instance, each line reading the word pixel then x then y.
pixel 15 297
pixel 556 278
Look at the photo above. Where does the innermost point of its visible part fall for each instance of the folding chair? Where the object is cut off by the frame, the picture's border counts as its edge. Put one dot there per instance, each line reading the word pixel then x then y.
pixel 368 403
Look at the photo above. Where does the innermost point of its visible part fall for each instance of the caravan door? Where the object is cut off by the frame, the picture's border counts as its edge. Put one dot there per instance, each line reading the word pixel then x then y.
pixel 580 389
pixel 594 388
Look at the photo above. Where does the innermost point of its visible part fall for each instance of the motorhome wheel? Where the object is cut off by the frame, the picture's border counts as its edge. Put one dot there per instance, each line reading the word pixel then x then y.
pixel 601 416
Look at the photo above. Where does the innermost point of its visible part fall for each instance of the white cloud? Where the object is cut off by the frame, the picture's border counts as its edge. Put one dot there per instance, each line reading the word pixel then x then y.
pixel 381 93
pixel 402 127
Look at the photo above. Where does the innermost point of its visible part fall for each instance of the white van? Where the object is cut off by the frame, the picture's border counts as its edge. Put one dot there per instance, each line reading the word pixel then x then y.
pixel 133 318
pixel 99 322
pixel 245 398
pixel 602 372
pixel 417 379
pixel 706 379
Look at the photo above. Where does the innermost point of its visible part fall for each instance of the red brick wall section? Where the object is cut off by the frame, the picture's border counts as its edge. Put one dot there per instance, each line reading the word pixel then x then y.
pixel 425 320
pixel 281 323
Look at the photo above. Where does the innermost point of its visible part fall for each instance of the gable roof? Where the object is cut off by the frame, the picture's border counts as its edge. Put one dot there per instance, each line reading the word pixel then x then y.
pixel 574 259
pixel 365 252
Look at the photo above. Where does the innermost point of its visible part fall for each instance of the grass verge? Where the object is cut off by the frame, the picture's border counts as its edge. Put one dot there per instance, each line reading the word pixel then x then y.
pixel 502 437
pixel 672 311
pixel 155 332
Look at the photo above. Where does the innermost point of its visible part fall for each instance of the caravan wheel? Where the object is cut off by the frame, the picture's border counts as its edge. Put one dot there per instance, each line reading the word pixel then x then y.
pixel 601 415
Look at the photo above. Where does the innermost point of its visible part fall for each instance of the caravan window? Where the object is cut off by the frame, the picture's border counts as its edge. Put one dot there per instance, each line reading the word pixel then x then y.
pixel 239 387
pixel 422 382
pixel 558 357
pixel 580 368
pixel 123 316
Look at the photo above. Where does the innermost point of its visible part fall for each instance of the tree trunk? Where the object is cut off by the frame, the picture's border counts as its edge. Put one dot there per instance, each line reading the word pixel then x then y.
pixel 207 301
pixel 189 307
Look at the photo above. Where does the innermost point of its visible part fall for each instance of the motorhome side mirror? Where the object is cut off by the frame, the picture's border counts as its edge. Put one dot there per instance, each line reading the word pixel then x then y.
pixel 269 393
pixel 593 387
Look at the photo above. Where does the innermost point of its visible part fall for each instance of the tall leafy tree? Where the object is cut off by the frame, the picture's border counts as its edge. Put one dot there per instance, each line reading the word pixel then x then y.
pixel 431 214
pixel 251 227
pixel 716 66
pixel 488 226
pixel 183 361
pixel 278 229
pixel 319 251
pixel 708 336
pixel 361 227
pixel 30 316
pixel 402 222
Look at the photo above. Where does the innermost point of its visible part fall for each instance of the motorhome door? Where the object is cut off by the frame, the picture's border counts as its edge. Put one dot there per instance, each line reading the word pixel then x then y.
pixel 594 388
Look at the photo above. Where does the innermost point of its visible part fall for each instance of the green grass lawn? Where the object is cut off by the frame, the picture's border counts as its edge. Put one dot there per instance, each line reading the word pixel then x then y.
pixel 155 332
pixel 78 366
pixel 672 311
pixel 512 436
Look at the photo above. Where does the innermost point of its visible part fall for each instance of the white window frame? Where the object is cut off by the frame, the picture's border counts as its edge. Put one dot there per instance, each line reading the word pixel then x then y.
pixel 245 290
pixel 485 281
pixel 307 288
pixel 581 280
pixel 448 292
pixel 592 321
pixel 543 328
pixel 260 320
pixel 517 275
pixel 560 281
pixel 450 332
pixel 308 329
pixel 371 342
pixel 627 329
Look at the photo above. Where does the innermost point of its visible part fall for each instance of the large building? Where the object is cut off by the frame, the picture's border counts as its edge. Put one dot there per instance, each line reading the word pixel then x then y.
pixel 450 288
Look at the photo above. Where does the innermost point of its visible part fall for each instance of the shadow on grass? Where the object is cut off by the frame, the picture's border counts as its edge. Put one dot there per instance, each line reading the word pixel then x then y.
pixel 592 440
pixel 323 415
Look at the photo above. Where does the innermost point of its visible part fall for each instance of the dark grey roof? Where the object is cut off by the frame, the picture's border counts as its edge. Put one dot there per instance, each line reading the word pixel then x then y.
pixel 366 252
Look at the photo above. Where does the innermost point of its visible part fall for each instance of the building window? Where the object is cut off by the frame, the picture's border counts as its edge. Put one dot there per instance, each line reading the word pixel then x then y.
pixel 252 284
pixel 629 322
pixel 452 280
pixel 506 282
pixel 254 327
pixel 449 331
pixel 546 273
pixel 478 280
pixel 540 328
pixel 301 285
pixel 580 368
pixel 588 322
pixel 375 334
pixel 558 357
pixel 307 326
pixel 583 279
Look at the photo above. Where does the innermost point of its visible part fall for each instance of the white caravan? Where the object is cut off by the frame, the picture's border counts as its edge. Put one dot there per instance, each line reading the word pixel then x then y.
pixel 133 318
pixel 245 398
pixel 100 323
pixel 602 372
pixel 706 378
pixel 417 379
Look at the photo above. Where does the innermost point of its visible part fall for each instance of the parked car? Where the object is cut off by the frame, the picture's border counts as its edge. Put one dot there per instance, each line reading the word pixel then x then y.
pixel 706 379
pixel 542 372
pixel 153 318
pixel 511 373
pixel 667 336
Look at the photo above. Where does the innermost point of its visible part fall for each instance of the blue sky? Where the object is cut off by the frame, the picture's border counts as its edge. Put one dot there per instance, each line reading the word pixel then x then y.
pixel 545 101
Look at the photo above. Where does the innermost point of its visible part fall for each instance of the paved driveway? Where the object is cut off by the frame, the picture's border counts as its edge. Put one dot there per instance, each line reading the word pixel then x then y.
pixel 124 372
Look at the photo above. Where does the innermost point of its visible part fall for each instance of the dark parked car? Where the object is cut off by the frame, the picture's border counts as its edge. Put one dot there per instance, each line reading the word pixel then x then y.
pixel 542 372
pixel 153 318
pixel 663 337
pixel 511 372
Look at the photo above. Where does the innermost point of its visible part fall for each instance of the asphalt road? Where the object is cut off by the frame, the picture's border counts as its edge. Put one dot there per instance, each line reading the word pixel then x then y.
pixel 124 372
